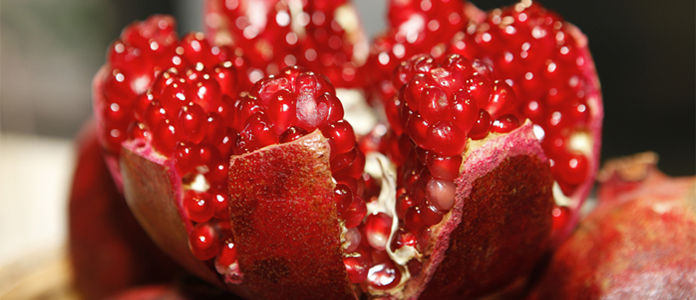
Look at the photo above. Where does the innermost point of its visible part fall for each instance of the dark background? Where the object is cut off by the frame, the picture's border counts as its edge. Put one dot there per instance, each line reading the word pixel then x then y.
pixel 643 49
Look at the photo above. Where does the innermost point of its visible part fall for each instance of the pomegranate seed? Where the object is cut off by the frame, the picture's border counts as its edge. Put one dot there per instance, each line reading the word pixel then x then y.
pixel 227 255
pixel 403 203
pixel 353 238
pixel 383 276
pixel 199 206
pixel 417 128
pixel 220 200
pixel 445 139
pixel 423 239
pixel 502 99
pixel 226 75
pixel 186 157
pixel 444 167
pixel 464 111
pixel 341 137
pixel 191 122
pixel 505 124
pixel 203 241
pixel 413 221
pixel 377 230
pixel 403 238
pixel 257 133
pixel 164 138
pixel 291 134
pixel 355 212
pixel 430 213
pixel 573 169
pixel 435 105
pixel 441 193
pixel 214 128
pixel 560 218
pixel 357 267
pixel 343 198
pixel 414 267
pixel 282 110
pixel 481 127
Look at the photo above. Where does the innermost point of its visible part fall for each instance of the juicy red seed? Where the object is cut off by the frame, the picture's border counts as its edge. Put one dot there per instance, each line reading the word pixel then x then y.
pixel 383 276
pixel 186 156
pixel 208 93
pixel 343 160
pixel 138 130
pixel 341 137
pixel 423 238
pixel 192 120
pixel 464 111
pixel 218 172
pixel 377 230
pixel 154 114
pixel 505 124
pixel 502 99
pixel 435 105
pixel 414 89
pixel 430 213
pixel 353 238
pixel 403 203
pixel 441 194
pixel 418 130
pixel 175 95
pixel 343 197
pixel 221 201
pixel 197 49
pixel 481 127
pixel 355 169
pixel 291 134
pixel 357 267
pixel 479 87
pixel 214 128
pixel 199 206
pixel 413 221
pixel 228 253
pixel 226 75
pixel 573 168
pixel 164 138
pixel 203 241
pixel 257 133
pixel 444 167
pixel 403 238
pixel 355 212
pixel 246 108
pixel 560 218
pixel 282 111
pixel 373 186
pixel 445 139
pixel 141 105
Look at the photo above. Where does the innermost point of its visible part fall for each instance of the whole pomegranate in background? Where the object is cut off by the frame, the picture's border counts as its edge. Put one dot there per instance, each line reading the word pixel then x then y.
pixel 109 250
pixel 638 243
pixel 263 190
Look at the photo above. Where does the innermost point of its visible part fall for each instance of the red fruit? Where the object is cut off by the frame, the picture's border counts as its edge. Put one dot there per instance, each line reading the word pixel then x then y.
pixel 548 64
pixel 534 55
pixel 109 251
pixel 639 241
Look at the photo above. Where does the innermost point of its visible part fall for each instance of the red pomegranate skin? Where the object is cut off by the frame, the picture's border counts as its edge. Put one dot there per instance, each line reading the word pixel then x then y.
pixel 639 242
pixel 108 249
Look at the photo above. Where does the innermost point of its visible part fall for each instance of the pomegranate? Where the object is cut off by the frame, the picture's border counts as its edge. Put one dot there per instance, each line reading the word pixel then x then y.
pixel 109 251
pixel 263 190
pixel 639 242
pixel 544 60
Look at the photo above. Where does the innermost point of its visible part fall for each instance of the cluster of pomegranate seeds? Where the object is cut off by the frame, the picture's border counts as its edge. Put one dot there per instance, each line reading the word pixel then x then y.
pixel 414 27
pixel 322 36
pixel 145 50
pixel 534 51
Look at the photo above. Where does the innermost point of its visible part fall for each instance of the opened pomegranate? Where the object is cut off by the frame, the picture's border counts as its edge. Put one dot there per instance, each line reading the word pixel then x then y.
pixel 264 191
pixel 639 242
pixel 543 59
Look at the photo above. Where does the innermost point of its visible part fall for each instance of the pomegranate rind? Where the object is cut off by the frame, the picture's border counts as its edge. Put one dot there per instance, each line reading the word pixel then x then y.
pixel 108 249
pixel 500 224
pixel 638 243
pixel 285 222
pixel 152 188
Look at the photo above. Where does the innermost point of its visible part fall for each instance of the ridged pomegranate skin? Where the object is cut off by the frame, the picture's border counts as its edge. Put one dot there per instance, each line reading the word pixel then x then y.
pixel 638 243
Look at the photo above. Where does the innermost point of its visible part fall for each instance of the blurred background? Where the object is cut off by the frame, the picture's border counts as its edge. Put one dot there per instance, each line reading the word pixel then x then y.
pixel 643 50
pixel 49 50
